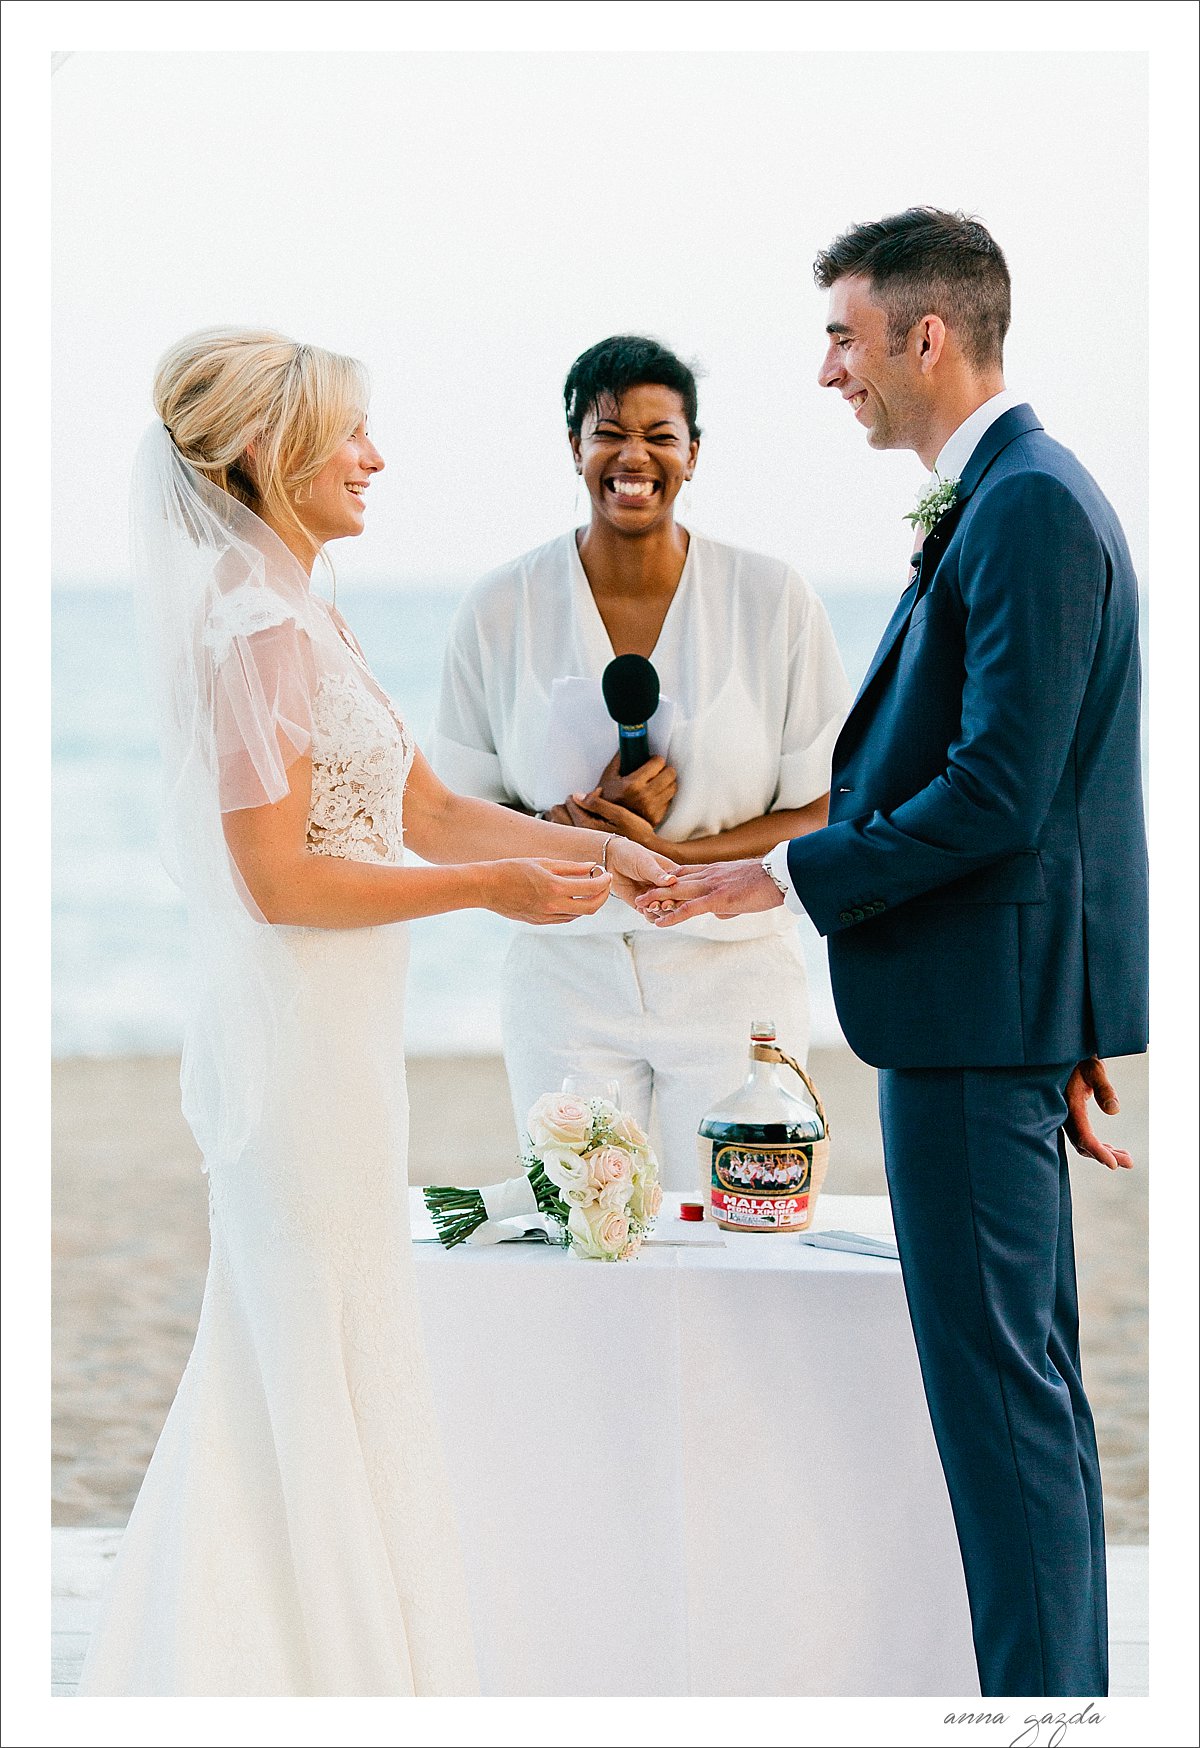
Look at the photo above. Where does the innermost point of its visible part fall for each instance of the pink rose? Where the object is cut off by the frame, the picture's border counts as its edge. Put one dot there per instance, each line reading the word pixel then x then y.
pixel 629 1131
pixel 559 1120
pixel 597 1233
pixel 613 1231
pixel 608 1165
pixel 614 1197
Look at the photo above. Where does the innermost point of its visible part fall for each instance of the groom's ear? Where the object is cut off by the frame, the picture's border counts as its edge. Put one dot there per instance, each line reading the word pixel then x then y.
pixel 930 337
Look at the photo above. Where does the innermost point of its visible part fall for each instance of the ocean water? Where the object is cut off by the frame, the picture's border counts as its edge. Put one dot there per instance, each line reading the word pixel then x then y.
pixel 118 944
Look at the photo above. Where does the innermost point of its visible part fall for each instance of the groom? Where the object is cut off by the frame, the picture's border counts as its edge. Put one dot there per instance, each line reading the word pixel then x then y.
pixel 982 884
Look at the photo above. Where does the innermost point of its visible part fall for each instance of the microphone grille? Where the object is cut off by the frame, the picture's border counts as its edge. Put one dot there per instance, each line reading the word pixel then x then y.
pixel 630 687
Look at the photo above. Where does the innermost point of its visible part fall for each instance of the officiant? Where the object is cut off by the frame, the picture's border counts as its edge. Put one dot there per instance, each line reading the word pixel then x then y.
pixel 753 694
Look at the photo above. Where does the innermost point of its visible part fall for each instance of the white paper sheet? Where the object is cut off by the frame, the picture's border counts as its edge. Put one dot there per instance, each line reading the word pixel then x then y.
pixel 694 1234
pixel 581 737
pixel 859 1243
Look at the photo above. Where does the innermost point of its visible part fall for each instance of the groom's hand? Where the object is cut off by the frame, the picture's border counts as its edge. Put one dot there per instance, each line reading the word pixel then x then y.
pixel 715 889
pixel 1088 1078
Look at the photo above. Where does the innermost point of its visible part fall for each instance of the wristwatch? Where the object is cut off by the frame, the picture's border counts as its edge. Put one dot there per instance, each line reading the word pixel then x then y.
pixel 773 877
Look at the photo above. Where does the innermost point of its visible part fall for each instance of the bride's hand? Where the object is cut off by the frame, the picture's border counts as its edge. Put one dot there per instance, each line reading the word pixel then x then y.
pixel 543 891
pixel 635 869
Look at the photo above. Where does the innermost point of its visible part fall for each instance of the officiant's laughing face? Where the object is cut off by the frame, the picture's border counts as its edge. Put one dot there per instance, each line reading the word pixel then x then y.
pixel 634 456
pixel 885 389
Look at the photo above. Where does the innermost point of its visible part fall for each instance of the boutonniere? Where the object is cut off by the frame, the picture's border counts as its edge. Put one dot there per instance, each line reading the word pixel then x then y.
pixel 933 503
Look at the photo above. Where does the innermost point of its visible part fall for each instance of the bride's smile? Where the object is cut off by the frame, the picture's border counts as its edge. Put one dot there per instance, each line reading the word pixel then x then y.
pixel 334 505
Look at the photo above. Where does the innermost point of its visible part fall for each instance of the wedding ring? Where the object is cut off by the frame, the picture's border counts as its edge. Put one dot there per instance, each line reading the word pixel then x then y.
pixel 595 870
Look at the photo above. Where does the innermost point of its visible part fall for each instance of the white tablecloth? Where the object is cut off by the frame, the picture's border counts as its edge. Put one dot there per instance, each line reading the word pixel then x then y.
pixel 706 1471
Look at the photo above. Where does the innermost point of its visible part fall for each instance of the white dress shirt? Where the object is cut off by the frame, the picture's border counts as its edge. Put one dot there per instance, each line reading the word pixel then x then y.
pixel 959 447
pixel 746 654
pixel 951 463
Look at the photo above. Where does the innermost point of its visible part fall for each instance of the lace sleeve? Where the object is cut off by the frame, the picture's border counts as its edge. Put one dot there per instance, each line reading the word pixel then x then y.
pixel 263 684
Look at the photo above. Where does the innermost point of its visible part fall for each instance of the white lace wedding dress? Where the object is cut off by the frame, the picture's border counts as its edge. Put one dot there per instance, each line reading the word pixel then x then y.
pixel 294 1533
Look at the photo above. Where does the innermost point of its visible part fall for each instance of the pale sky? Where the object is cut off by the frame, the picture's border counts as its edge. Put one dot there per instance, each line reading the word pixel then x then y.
pixel 468 223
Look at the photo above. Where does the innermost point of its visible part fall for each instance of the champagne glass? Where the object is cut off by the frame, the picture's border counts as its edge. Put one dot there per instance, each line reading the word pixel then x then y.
pixel 591 1086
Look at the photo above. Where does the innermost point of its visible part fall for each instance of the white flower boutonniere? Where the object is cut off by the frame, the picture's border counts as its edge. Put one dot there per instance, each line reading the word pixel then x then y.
pixel 933 503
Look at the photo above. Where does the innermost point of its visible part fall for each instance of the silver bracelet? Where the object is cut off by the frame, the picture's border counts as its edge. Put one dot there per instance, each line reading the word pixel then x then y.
pixel 604 852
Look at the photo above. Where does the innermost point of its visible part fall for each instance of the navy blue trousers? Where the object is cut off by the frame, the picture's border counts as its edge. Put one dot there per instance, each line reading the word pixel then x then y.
pixel 977 1169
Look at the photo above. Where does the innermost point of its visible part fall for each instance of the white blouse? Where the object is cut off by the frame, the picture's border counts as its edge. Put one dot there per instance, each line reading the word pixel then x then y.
pixel 746 654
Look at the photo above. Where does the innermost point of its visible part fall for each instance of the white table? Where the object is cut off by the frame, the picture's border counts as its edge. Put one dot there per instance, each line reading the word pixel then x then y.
pixel 706 1471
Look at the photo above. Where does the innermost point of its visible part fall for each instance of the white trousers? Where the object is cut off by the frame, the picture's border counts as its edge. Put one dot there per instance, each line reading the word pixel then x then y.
pixel 666 1015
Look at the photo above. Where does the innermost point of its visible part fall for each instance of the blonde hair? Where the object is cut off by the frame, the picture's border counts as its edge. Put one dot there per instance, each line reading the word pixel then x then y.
pixel 257 413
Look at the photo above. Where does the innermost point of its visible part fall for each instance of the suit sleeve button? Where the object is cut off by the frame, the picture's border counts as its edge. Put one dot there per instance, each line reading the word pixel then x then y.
pixel 845 916
pixel 859 915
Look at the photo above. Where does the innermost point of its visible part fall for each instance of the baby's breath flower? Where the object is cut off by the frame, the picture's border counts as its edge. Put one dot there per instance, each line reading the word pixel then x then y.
pixel 933 503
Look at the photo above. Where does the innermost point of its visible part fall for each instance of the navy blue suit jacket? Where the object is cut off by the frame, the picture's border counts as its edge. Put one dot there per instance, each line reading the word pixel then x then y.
pixel 982 881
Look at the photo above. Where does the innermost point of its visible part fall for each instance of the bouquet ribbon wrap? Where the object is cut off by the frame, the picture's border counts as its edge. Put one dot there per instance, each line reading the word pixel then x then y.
pixel 509 1200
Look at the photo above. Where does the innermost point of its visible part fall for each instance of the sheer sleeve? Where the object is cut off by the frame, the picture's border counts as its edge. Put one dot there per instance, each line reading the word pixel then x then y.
pixel 462 748
pixel 263 681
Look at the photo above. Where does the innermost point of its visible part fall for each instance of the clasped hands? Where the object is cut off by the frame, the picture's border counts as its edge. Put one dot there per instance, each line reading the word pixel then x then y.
pixel 634 805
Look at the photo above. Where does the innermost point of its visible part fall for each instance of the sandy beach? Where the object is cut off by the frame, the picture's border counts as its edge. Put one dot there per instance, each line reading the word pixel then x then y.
pixel 130 1247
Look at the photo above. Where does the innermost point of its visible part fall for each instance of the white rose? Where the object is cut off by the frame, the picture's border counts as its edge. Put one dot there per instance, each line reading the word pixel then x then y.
pixel 583 1238
pixel 566 1170
pixel 559 1120
pixel 647 1197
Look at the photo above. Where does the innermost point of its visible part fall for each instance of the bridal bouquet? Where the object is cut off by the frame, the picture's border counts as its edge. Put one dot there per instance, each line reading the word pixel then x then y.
pixel 588 1168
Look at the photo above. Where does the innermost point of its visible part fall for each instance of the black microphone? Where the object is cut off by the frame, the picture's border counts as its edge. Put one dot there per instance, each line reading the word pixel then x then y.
pixel 630 687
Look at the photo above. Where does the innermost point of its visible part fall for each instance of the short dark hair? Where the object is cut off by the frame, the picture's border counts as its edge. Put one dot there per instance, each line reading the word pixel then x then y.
pixel 609 369
pixel 929 262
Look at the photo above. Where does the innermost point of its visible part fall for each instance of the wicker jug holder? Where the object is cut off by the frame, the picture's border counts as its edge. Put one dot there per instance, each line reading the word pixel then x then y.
pixel 820 1149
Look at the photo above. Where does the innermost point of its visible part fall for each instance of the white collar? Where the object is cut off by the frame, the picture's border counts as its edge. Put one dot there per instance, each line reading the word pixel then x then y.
pixel 959 447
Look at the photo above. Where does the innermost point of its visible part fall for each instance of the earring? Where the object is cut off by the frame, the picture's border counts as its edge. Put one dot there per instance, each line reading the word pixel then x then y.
pixel 684 502
pixel 580 496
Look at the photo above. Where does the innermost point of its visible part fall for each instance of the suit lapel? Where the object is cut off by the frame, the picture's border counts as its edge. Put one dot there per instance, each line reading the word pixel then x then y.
pixel 1006 429
pixel 895 626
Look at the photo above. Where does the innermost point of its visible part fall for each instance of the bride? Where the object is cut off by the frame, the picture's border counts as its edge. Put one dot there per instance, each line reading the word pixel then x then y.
pixel 294 1532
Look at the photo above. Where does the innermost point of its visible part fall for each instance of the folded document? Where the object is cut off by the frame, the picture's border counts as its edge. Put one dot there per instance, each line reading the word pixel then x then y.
pixel 855 1241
